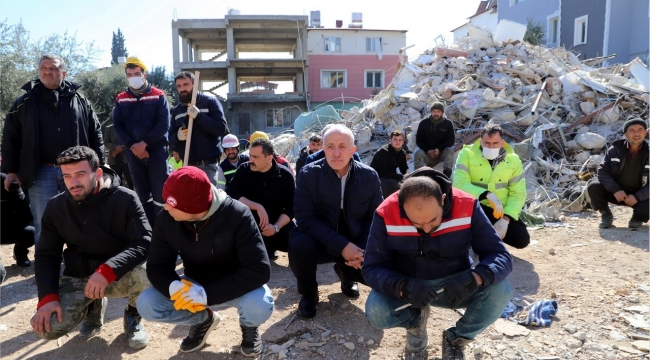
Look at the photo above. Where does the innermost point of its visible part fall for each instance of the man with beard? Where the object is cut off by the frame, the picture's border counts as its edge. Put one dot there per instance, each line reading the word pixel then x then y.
pixel 315 144
pixel 49 118
pixel 418 256
pixel 435 140
pixel 106 237
pixel 228 166
pixel 141 121
pixel 209 127
pixel 387 160
pixel 623 176
pixel 267 188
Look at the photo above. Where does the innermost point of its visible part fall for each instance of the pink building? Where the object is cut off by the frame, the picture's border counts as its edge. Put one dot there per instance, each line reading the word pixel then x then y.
pixel 347 65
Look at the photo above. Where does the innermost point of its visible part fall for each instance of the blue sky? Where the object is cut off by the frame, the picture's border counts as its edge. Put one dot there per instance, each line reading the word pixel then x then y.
pixel 146 24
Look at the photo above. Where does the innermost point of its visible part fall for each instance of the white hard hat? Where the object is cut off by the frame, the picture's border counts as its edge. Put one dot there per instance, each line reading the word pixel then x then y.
pixel 229 141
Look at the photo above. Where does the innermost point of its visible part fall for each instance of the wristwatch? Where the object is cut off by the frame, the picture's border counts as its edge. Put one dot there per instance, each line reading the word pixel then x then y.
pixel 277 228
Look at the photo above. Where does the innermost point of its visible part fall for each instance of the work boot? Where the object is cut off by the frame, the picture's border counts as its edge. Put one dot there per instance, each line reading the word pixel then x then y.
pixel 94 320
pixel 417 338
pixel 22 260
pixel 307 305
pixel 453 349
pixel 198 334
pixel 348 287
pixel 136 335
pixel 606 219
pixel 634 222
pixel 251 343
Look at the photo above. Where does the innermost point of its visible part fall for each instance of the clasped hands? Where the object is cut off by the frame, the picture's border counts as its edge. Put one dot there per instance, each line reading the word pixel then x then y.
pixel 188 296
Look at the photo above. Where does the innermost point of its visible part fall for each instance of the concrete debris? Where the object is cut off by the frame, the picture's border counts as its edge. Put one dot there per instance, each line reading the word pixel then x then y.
pixel 558 113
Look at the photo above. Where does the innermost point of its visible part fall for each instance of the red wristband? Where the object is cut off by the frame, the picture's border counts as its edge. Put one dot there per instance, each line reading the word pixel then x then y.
pixel 107 272
pixel 46 299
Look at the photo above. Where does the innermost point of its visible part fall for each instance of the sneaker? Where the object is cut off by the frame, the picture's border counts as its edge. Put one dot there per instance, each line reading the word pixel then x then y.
pixel 606 220
pixel 307 306
pixel 94 320
pixel 348 287
pixel 198 334
pixel 417 338
pixel 453 350
pixel 136 335
pixel 251 344
pixel 634 223
pixel 22 261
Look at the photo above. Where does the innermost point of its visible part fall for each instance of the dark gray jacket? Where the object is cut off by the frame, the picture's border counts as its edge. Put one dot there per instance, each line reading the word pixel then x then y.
pixel 609 170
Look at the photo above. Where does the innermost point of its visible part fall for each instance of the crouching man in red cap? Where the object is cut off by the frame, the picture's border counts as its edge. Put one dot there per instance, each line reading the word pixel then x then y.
pixel 225 262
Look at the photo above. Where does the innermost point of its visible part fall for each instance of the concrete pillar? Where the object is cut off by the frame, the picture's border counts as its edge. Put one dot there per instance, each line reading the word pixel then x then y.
pixel 299 82
pixel 186 50
pixel 175 50
pixel 232 80
pixel 230 43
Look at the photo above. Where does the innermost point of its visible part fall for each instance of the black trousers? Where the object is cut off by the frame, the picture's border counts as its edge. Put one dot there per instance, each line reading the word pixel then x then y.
pixel 22 237
pixel 305 254
pixel 122 169
pixel 279 241
pixel 517 235
pixel 388 186
pixel 600 197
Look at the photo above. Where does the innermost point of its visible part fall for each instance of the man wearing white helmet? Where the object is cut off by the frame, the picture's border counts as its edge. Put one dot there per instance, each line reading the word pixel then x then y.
pixel 228 166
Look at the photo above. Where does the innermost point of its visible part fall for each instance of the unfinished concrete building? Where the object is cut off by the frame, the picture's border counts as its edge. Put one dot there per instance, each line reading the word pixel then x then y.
pixel 228 52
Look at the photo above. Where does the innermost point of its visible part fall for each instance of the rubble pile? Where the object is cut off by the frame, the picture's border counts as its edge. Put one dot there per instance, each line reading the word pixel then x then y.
pixel 559 113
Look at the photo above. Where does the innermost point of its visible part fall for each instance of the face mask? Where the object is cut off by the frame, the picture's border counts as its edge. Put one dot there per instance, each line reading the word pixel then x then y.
pixel 135 82
pixel 491 154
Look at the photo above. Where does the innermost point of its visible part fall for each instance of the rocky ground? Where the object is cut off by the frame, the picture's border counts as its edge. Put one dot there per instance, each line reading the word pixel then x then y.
pixel 600 279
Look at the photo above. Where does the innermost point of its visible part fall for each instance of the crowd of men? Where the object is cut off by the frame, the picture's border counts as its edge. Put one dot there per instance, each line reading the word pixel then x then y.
pixel 405 235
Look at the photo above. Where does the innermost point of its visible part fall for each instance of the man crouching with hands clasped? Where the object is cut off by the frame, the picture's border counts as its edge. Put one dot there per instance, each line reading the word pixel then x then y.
pixel 225 262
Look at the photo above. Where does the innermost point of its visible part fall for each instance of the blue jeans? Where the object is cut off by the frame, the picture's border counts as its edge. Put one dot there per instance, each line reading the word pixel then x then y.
pixel 149 176
pixel 483 308
pixel 49 182
pixel 254 308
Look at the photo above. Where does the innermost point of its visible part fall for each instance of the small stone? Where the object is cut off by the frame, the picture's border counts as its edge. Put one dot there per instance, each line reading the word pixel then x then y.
pixel 580 335
pixel 282 354
pixel 305 336
pixel 570 328
pixel 325 334
pixel 617 335
pixel 592 346
pixel 633 299
pixel 497 336
pixel 370 342
pixel 501 347
pixel 551 251
pixel 478 350
pixel 573 343
pixel 360 340
pixel 349 345
pixel 643 345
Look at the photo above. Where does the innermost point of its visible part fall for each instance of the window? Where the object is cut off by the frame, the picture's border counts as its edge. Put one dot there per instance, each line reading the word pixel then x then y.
pixel 580 30
pixel 333 79
pixel 332 44
pixel 552 31
pixel 278 117
pixel 372 44
pixel 374 79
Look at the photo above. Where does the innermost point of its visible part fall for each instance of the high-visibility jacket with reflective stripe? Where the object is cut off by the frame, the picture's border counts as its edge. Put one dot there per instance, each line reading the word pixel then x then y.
pixel 397 251
pixel 474 174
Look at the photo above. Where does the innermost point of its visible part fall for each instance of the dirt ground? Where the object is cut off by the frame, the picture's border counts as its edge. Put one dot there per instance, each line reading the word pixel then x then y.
pixel 600 279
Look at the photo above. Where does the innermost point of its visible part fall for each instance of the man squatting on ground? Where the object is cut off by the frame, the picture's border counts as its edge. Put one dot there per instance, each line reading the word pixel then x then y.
pixel 387 160
pixel 229 165
pixel 435 140
pixel 267 188
pixel 224 258
pixel 110 263
pixel 623 177
pixel 492 172
pixel 419 247
pixel 208 128
pixel 334 203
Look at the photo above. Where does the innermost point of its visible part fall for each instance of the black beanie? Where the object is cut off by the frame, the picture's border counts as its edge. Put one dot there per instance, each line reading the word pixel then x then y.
pixel 635 121
pixel 437 106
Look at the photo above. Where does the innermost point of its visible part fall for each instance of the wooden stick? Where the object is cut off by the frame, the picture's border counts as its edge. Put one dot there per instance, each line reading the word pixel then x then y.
pixel 195 89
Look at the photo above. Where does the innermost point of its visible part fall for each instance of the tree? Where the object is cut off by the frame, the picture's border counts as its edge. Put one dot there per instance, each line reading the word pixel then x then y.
pixel 78 57
pixel 16 66
pixel 158 77
pixel 101 86
pixel 534 33
pixel 117 47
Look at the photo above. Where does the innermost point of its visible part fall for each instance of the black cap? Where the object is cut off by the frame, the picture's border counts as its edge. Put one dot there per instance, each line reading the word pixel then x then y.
pixel 438 106
pixel 635 121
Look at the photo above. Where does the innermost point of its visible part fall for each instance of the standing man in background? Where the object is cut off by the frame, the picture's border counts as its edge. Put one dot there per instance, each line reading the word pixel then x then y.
pixel 141 121
pixel 209 127
pixel 49 118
